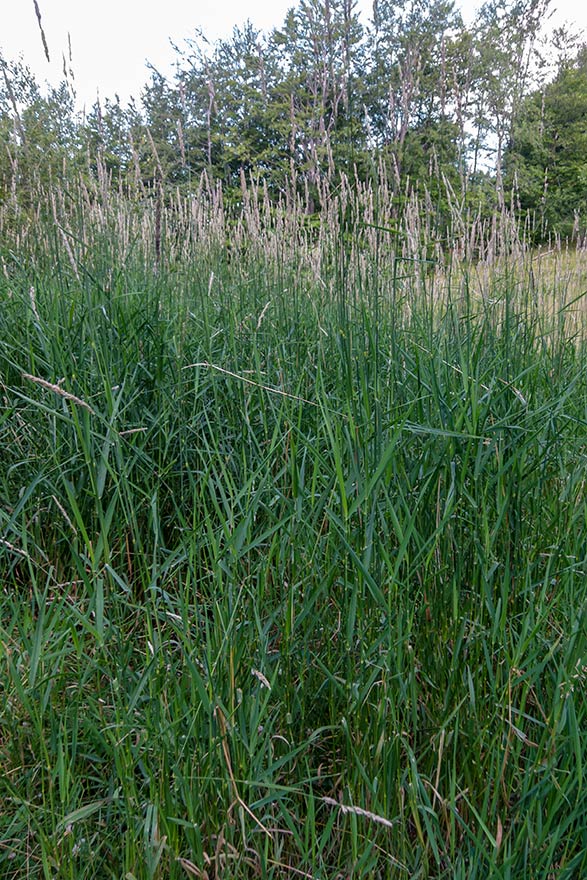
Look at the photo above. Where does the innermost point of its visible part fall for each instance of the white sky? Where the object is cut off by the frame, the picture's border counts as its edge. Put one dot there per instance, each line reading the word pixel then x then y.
pixel 111 40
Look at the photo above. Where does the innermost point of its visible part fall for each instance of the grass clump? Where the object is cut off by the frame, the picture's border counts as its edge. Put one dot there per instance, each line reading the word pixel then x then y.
pixel 293 552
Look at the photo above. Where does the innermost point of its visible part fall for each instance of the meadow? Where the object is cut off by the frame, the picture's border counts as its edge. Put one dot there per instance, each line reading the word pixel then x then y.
pixel 293 542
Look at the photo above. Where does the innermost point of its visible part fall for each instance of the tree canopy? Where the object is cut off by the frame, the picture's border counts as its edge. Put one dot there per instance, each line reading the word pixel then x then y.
pixel 547 155
pixel 436 104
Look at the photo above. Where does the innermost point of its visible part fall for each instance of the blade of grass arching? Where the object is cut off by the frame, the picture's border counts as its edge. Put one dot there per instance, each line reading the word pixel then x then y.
pixel 405 530
pixel 334 435
pixel 422 807
pixel 109 440
pixel 572 302
pixel 476 836
pixel 263 537
pixel 386 458
pixel 27 701
pixel 80 612
pixel 430 431
pixel 202 688
pixel 12 517
pixel 358 563
pixel 84 812
pixel 78 517
pixel 102 544
pixel 41 635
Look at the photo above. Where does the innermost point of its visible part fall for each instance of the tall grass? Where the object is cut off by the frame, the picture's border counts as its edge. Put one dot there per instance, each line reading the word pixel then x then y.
pixel 293 544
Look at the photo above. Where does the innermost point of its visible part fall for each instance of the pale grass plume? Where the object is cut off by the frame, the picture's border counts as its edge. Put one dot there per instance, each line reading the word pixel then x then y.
pixel 64 514
pixel 33 299
pixel 262 678
pixel 359 811
pixel 57 389
pixel 262 315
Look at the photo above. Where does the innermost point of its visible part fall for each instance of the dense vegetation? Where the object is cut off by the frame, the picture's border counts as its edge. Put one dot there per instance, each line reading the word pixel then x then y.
pixel 548 150
pixel 293 546
pixel 491 110
pixel 293 528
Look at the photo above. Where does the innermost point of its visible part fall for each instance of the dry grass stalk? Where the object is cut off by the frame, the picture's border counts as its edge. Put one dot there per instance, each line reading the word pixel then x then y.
pixel 268 388
pixel 359 811
pixel 43 37
pixel 262 315
pixel 14 549
pixel 65 240
pixel 58 390
pixel 34 303
pixel 222 724
pixel 64 514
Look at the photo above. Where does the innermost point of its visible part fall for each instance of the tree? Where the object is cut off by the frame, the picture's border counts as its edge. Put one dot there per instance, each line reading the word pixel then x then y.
pixel 546 161
pixel 223 101
pixel 321 93
pixel 505 66
pixel 38 133
pixel 413 89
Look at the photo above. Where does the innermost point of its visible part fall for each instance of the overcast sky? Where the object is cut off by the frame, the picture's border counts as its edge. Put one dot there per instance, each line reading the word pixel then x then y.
pixel 112 40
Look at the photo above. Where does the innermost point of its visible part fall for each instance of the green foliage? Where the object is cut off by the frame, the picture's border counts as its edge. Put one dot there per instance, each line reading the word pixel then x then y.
pixel 444 110
pixel 546 160
pixel 293 549
pixel 323 97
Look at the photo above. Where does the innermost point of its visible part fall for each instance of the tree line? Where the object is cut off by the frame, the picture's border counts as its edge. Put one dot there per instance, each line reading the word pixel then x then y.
pixel 488 113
